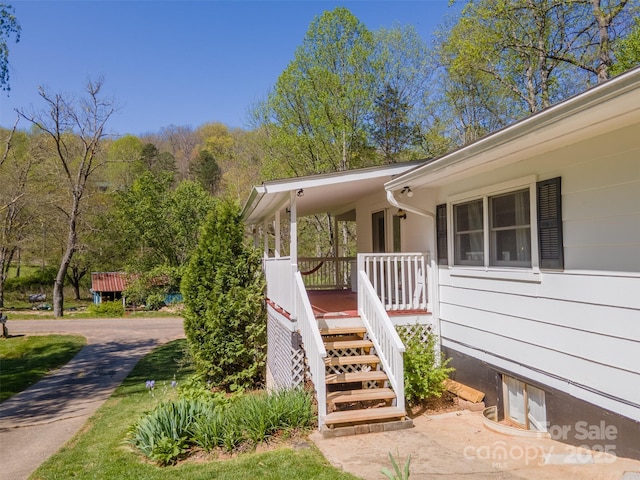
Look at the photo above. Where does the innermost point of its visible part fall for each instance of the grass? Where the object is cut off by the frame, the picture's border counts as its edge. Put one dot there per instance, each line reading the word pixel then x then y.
pixel 101 450
pixel 26 359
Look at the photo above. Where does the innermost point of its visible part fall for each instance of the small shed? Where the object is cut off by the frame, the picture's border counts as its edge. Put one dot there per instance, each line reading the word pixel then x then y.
pixel 107 286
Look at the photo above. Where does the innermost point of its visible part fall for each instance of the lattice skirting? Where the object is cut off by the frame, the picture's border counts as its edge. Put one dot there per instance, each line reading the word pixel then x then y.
pixel 285 357
pixel 410 331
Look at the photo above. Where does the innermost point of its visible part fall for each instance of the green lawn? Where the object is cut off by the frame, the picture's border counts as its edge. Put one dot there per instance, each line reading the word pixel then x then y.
pixel 100 451
pixel 26 359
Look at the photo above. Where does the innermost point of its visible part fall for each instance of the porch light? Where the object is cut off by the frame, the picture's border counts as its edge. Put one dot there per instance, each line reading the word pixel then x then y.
pixel 401 214
pixel 407 191
pixel 300 193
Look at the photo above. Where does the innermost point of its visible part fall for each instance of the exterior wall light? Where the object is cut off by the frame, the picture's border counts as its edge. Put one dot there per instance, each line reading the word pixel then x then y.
pixel 300 193
pixel 401 214
pixel 406 191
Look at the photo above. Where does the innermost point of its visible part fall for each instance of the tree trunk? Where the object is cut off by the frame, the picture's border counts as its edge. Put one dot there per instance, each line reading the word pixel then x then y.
pixel 58 286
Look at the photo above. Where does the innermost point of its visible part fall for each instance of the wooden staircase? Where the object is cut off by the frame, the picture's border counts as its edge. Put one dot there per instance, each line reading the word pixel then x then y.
pixel 357 388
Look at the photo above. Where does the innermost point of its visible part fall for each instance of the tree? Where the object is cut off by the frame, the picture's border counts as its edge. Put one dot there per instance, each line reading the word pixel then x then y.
pixel 392 130
pixel 225 312
pixel 157 225
pixel 9 27
pixel 157 162
pixel 403 66
pixel 315 116
pixel 627 52
pixel 17 167
pixel 77 130
pixel 206 172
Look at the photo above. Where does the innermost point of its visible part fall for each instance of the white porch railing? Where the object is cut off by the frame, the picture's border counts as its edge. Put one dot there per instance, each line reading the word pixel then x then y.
pixel 382 333
pixel 399 279
pixel 279 281
pixel 326 273
pixel 313 345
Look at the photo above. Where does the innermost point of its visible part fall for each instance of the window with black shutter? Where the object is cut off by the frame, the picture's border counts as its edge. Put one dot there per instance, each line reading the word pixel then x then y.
pixel 549 203
pixel 441 234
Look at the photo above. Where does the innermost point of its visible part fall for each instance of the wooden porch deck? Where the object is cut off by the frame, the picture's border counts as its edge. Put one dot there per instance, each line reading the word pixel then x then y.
pixel 334 303
pixel 343 303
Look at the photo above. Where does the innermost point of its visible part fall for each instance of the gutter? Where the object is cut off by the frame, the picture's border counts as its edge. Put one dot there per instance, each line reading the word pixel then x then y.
pixel 394 201
pixel 434 298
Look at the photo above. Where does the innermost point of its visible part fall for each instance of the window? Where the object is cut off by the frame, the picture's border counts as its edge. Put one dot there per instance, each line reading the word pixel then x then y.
pixel 524 405
pixel 441 233
pixel 469 235
pixel 501 229
pixel 510 229
pixel 509 236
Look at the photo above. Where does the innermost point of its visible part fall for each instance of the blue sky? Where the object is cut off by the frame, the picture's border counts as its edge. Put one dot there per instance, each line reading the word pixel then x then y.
pixel 175 62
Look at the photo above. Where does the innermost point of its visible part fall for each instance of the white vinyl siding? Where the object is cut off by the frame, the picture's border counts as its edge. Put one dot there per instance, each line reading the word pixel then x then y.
pixel 578 333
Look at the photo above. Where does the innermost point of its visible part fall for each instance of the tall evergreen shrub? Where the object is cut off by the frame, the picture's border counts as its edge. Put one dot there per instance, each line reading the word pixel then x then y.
pixel 225 313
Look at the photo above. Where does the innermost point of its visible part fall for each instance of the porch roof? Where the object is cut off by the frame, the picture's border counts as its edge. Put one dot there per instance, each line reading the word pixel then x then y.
pixel 606 107
pixel 332 192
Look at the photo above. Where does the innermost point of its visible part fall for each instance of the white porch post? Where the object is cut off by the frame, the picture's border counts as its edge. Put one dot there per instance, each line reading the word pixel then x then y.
pixel 265 238
pixel 277 234
pixel 338 281
pixel 293 242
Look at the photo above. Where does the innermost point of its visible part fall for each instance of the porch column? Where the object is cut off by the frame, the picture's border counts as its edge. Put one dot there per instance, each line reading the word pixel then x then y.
pixel 265 238
pixel 293 249
pixel 338 280
pixel 277 233
pixel 294 230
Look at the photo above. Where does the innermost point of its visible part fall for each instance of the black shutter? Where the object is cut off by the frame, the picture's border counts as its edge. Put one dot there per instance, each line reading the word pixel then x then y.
pixel 441 234
pixel 549 201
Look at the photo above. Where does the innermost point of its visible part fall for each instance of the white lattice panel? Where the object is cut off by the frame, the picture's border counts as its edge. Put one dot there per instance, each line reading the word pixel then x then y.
pixel 284 356
pixel 410 331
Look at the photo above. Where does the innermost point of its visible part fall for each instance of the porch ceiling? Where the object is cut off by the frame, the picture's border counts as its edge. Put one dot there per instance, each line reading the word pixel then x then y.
pixel 336 193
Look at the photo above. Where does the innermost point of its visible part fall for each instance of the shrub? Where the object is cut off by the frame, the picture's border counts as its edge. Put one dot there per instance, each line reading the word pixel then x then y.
pixel 225 314
pixel 38 280
pixel 424 370
pixel 166 433
pixel 163 435
pixel 106 309
pixel 155 301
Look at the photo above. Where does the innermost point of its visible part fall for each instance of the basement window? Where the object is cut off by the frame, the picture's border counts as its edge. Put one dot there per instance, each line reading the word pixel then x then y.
pixel 524 404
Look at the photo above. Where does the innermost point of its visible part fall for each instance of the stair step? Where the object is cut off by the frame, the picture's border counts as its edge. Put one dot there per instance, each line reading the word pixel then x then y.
pixel 340 338
pixel 364 395
pixel 351 360
pixel 342 344
pixel 365 415
pixel 374 376
pixel 343 330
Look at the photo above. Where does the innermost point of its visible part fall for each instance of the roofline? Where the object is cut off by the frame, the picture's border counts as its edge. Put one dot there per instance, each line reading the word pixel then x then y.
pixel 297 183
pixel 589 98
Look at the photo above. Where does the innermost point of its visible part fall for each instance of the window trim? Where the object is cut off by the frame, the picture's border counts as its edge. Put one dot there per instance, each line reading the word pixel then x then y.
pixel 528 182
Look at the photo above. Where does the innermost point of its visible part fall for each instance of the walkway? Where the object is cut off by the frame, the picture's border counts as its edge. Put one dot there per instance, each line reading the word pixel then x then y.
pixel 458 446
pixel 37 422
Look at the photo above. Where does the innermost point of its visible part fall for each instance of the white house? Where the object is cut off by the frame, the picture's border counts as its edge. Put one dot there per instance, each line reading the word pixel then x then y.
pixel 521 251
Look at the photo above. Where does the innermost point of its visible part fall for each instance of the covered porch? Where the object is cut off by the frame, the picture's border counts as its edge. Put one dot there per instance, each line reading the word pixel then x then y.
pixel 344 307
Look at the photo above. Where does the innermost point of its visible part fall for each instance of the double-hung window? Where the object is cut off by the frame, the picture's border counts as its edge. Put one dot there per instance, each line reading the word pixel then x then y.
pixel 510 229
pixel 496 228
pixel 469 234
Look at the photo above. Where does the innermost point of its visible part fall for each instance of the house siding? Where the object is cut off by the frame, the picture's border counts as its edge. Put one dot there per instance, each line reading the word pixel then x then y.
pixel 575 333
pixel 565 412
